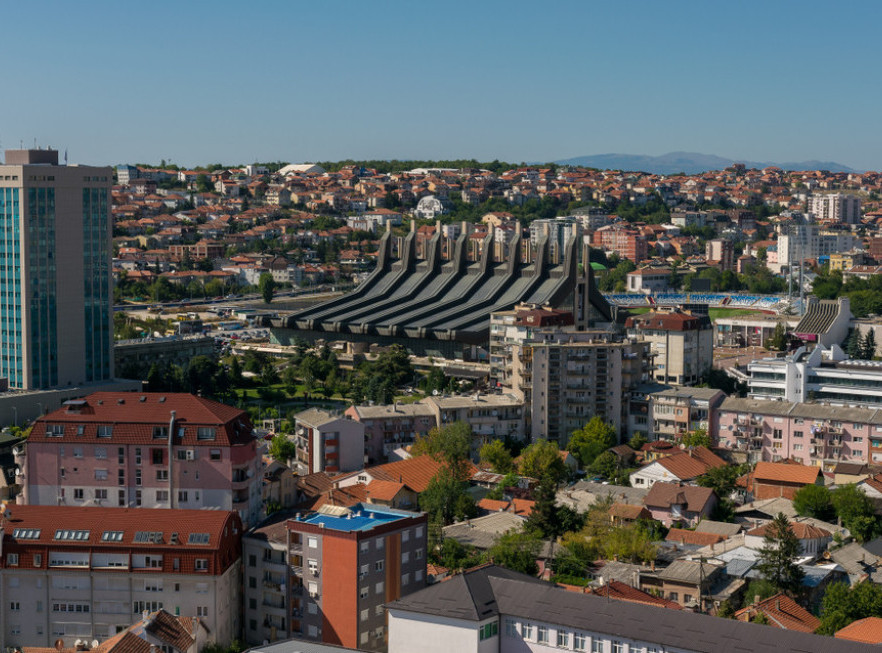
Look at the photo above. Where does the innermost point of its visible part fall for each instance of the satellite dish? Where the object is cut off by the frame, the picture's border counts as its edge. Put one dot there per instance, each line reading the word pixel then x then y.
pixel 435 393
pixel 78 642
pixel 94 643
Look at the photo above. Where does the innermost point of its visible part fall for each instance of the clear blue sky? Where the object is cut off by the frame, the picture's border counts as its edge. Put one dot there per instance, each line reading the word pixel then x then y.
pixel 200 82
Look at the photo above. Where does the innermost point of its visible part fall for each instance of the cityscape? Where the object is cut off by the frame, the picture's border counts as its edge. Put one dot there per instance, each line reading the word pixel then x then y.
pixel 298 359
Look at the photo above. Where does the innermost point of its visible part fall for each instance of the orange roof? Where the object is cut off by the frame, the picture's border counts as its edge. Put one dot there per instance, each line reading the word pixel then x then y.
pixel 684 536
pixel 627 511
pixel 493 505
pixel 617 590
pixel 383 490
pixel 782 612
pixel 415 473
pixel 802 530
pixel 867 630
pixel 686 465
pixel 786 473
pixel 522 507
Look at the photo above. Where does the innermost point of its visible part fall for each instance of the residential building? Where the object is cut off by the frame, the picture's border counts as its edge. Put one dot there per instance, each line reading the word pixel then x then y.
pixel 867 630
pixel 750 331
pixel 328 443
pixel 491 416
pixel 780 611
pixel 835 207
pixel 74 573
pixel 625 241
pixel 772 480
pixel 680 467
pixel 147 450
pixel 811 434
pixel 677 411
pixel 677 504
pixel 558 231
pixel 326 575
pixel 494 609
pixel 390 428
pixel 720 252
pixel 690 583
pixel 55 268
pixel 813 541
pixel 649 280
pixel 800 242
pixel 681 343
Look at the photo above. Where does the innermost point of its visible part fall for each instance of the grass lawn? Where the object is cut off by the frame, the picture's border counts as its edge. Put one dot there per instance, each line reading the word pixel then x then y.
pixel 714 313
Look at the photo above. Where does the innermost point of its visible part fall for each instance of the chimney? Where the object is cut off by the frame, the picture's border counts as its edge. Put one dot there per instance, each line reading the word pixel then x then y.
pixel 778 604
pixel 194 627
pixel 756 599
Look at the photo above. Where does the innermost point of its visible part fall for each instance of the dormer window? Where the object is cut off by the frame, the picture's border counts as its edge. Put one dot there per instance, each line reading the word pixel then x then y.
pixel 206 433
pixel 160 432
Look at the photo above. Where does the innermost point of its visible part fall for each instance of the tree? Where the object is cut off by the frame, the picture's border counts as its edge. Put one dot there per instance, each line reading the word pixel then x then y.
pixel 548 519
pixel 637 442
pixel 281 448
pixel 541 459
pixel 842 605
pixel 776 558
pixel 853 344
pixel 855 509
pixel 721 479
pixel 606 465
pixel 868 346
pixel 267 287
pixel 778 341
pixel 450 444
pixel 447 499
pixel 697 438
pixel 453 555
pixel 591 440
pixel 814 501
pixel 516 550
pixel 497 456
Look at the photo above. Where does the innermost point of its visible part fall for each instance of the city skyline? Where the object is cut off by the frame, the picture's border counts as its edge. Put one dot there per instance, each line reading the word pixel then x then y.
pixel 491 81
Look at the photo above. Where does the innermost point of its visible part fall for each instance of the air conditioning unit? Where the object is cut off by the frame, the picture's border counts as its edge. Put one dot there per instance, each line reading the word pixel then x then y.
pixel 190 454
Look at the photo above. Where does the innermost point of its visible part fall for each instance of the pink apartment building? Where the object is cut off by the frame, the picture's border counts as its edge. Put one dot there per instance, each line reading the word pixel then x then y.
pixel 812 434
pixel 151 450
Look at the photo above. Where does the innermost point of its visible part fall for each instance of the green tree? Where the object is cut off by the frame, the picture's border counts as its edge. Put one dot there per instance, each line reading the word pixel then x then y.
pixel 282 449
pixel 814 501
pixel 853 344
pixel 497 455
pixel 855 509
pixel 591 440
pixel 759 589
pixel 778 341
pixel 267 287
pixel 517 550
pixel 776 558
pixel 842 605
pixel 697 438
pixel 721 479
pixel 637 442
pixel 541 459
pixel 606 465
pixel 868 346
pixel 447 499
pixel 454 555
pixel 450 443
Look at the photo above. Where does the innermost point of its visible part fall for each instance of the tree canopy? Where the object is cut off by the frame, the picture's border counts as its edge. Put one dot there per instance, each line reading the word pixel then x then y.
pixel 541 459
pixel 587 443
pixel 842 605
pixel 497 455
pixel 776 558
pixel 814 501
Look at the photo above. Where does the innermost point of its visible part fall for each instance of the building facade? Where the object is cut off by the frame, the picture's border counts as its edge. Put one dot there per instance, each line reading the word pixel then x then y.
pixel 326 575
pixel 328 443
pixel 74 573
pixel 681 343
pixel 835 207
pixel 55 254
pixel 143 450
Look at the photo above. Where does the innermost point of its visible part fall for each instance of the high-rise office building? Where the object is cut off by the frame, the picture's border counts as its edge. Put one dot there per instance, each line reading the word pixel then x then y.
pixel 55 286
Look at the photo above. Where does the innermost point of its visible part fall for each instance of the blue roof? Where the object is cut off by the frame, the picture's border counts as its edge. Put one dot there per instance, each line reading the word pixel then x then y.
pixel 362 517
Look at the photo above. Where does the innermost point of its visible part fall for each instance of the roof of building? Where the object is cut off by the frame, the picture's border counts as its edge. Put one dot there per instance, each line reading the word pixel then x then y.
pixel 665 495
pixel 802 530
pixel 393 410
pixel 482 532
pixel 686 465
pixel 782 612
pixel 685 536
pixel 627 511
pixel 867 630
pixel 349 519
pixel 297 645
pixel 489 591
pixel 615 589
pixel 493 505
pixel 315 417
pixel 416 473
pixel 718 527
pixel 668 321
pixel 786 473
pixel 688 571
pixel 88 526
pixel 133 416
pixel 383 490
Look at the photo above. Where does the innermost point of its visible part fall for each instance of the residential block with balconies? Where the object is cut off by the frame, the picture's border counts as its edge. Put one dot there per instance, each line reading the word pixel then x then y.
pixel 327 442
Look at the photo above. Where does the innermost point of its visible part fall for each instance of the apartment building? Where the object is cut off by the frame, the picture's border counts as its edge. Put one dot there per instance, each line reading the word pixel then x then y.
pixel 681 343
pixel 55 256
pixel 649 280
pixel 73 573
pixel 818 375
pixel 835 207
pixel 494 609
pixel 811 434
pixel 720 252
pixel 677 411
pixel 558 231
pixel 627 242
pixel 801 242
pixel 328 443
pixel 326 575
pixel 389 428
pixel 491 416
pixel 143 450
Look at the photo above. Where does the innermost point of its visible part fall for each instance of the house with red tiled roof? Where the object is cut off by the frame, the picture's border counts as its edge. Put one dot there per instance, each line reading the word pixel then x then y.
pixel 620 591
pixel 392 494
pixel 867 630
pixel 780 611
pixel 694 538
pixel 675 503
pixel 813 540
pixel 772 480
pixel 193 556
pixel 681 467
pixel 147 450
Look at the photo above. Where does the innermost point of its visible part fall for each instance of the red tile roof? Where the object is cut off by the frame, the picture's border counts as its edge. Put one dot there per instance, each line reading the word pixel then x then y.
pixel 786 473
pixel 492 505
pixel 782 612
pixel 664 495
pixel 627 511
pixel 684 536
pixel 134 414
pixel 383 490
pixel 415 473
pixel 617 590
pixel 867 630
pixel 802 530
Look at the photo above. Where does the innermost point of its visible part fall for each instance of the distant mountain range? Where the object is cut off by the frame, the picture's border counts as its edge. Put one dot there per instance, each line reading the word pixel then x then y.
pixel 689 162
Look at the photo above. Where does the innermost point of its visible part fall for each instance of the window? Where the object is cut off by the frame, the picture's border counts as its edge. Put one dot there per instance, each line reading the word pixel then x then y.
pixel 69 535
pixel 152 585
pixel 381 542
pixel 777 434
pixel 797 434
pixel 378 610
pixel 418 575
pixel 160 432
pixel 380 587
pixel 100 474
pixel 363 637
pixel 215 454
pixel 312 542
pixel 78 452
pixel 78 493
pixel 252 582
pixel 563 639
pixel 364 571
pixel 405 536
pixel 138 497
pixel 364 546
pixel 489 630
pixel 138 455
pixel 101 494
pixel 201 564
pixel 105 431
pixel 101 453
pixel 312 588
pixel 364 592
pixel 419 532
pixel 252 604
pixel 405 579
pixel 198 538
pixel 542 635
pixel 121 477
pixel 156 456
pixel 137 477
pixel 405 557
pixel 26 533
pixel 511 628
pixel 151 537
pixel 312 608
pixel 205 433
pixel 527 631
pixel 596 645
pixel 579 642
pixel 182 496
pixel 15 606
pixel 618 647
pixel 378 565
pixel 12 559
pixel 365 614
pixel 201 610
pixel 418 554
pixel 161 496
pixel 38 559
pixel 121 455
pixel 673 596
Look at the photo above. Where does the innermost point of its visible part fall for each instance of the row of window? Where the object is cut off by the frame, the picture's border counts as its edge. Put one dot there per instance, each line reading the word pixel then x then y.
pixel 106 431
pixel 564 639
pixel 62 559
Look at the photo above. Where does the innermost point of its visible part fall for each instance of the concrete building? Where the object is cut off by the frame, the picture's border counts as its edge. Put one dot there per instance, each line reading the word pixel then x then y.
pixel 55 259
pixel 558 231
pixel 677 411
pixel 625 241
pixel 681 343
pixel 390 428
pixel 134 358
pixel 720 252
pixel 70 573
pixel 808 433
pixel 835 207
pixel 649 280
pixel 750 331
pixel 801 242
pixel 328 443
pixel 326 575
pixel 494 609
pixel 491 416
pixel 149 450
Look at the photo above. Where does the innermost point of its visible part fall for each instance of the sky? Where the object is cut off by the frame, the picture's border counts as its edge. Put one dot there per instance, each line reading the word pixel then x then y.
pixel 200 82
